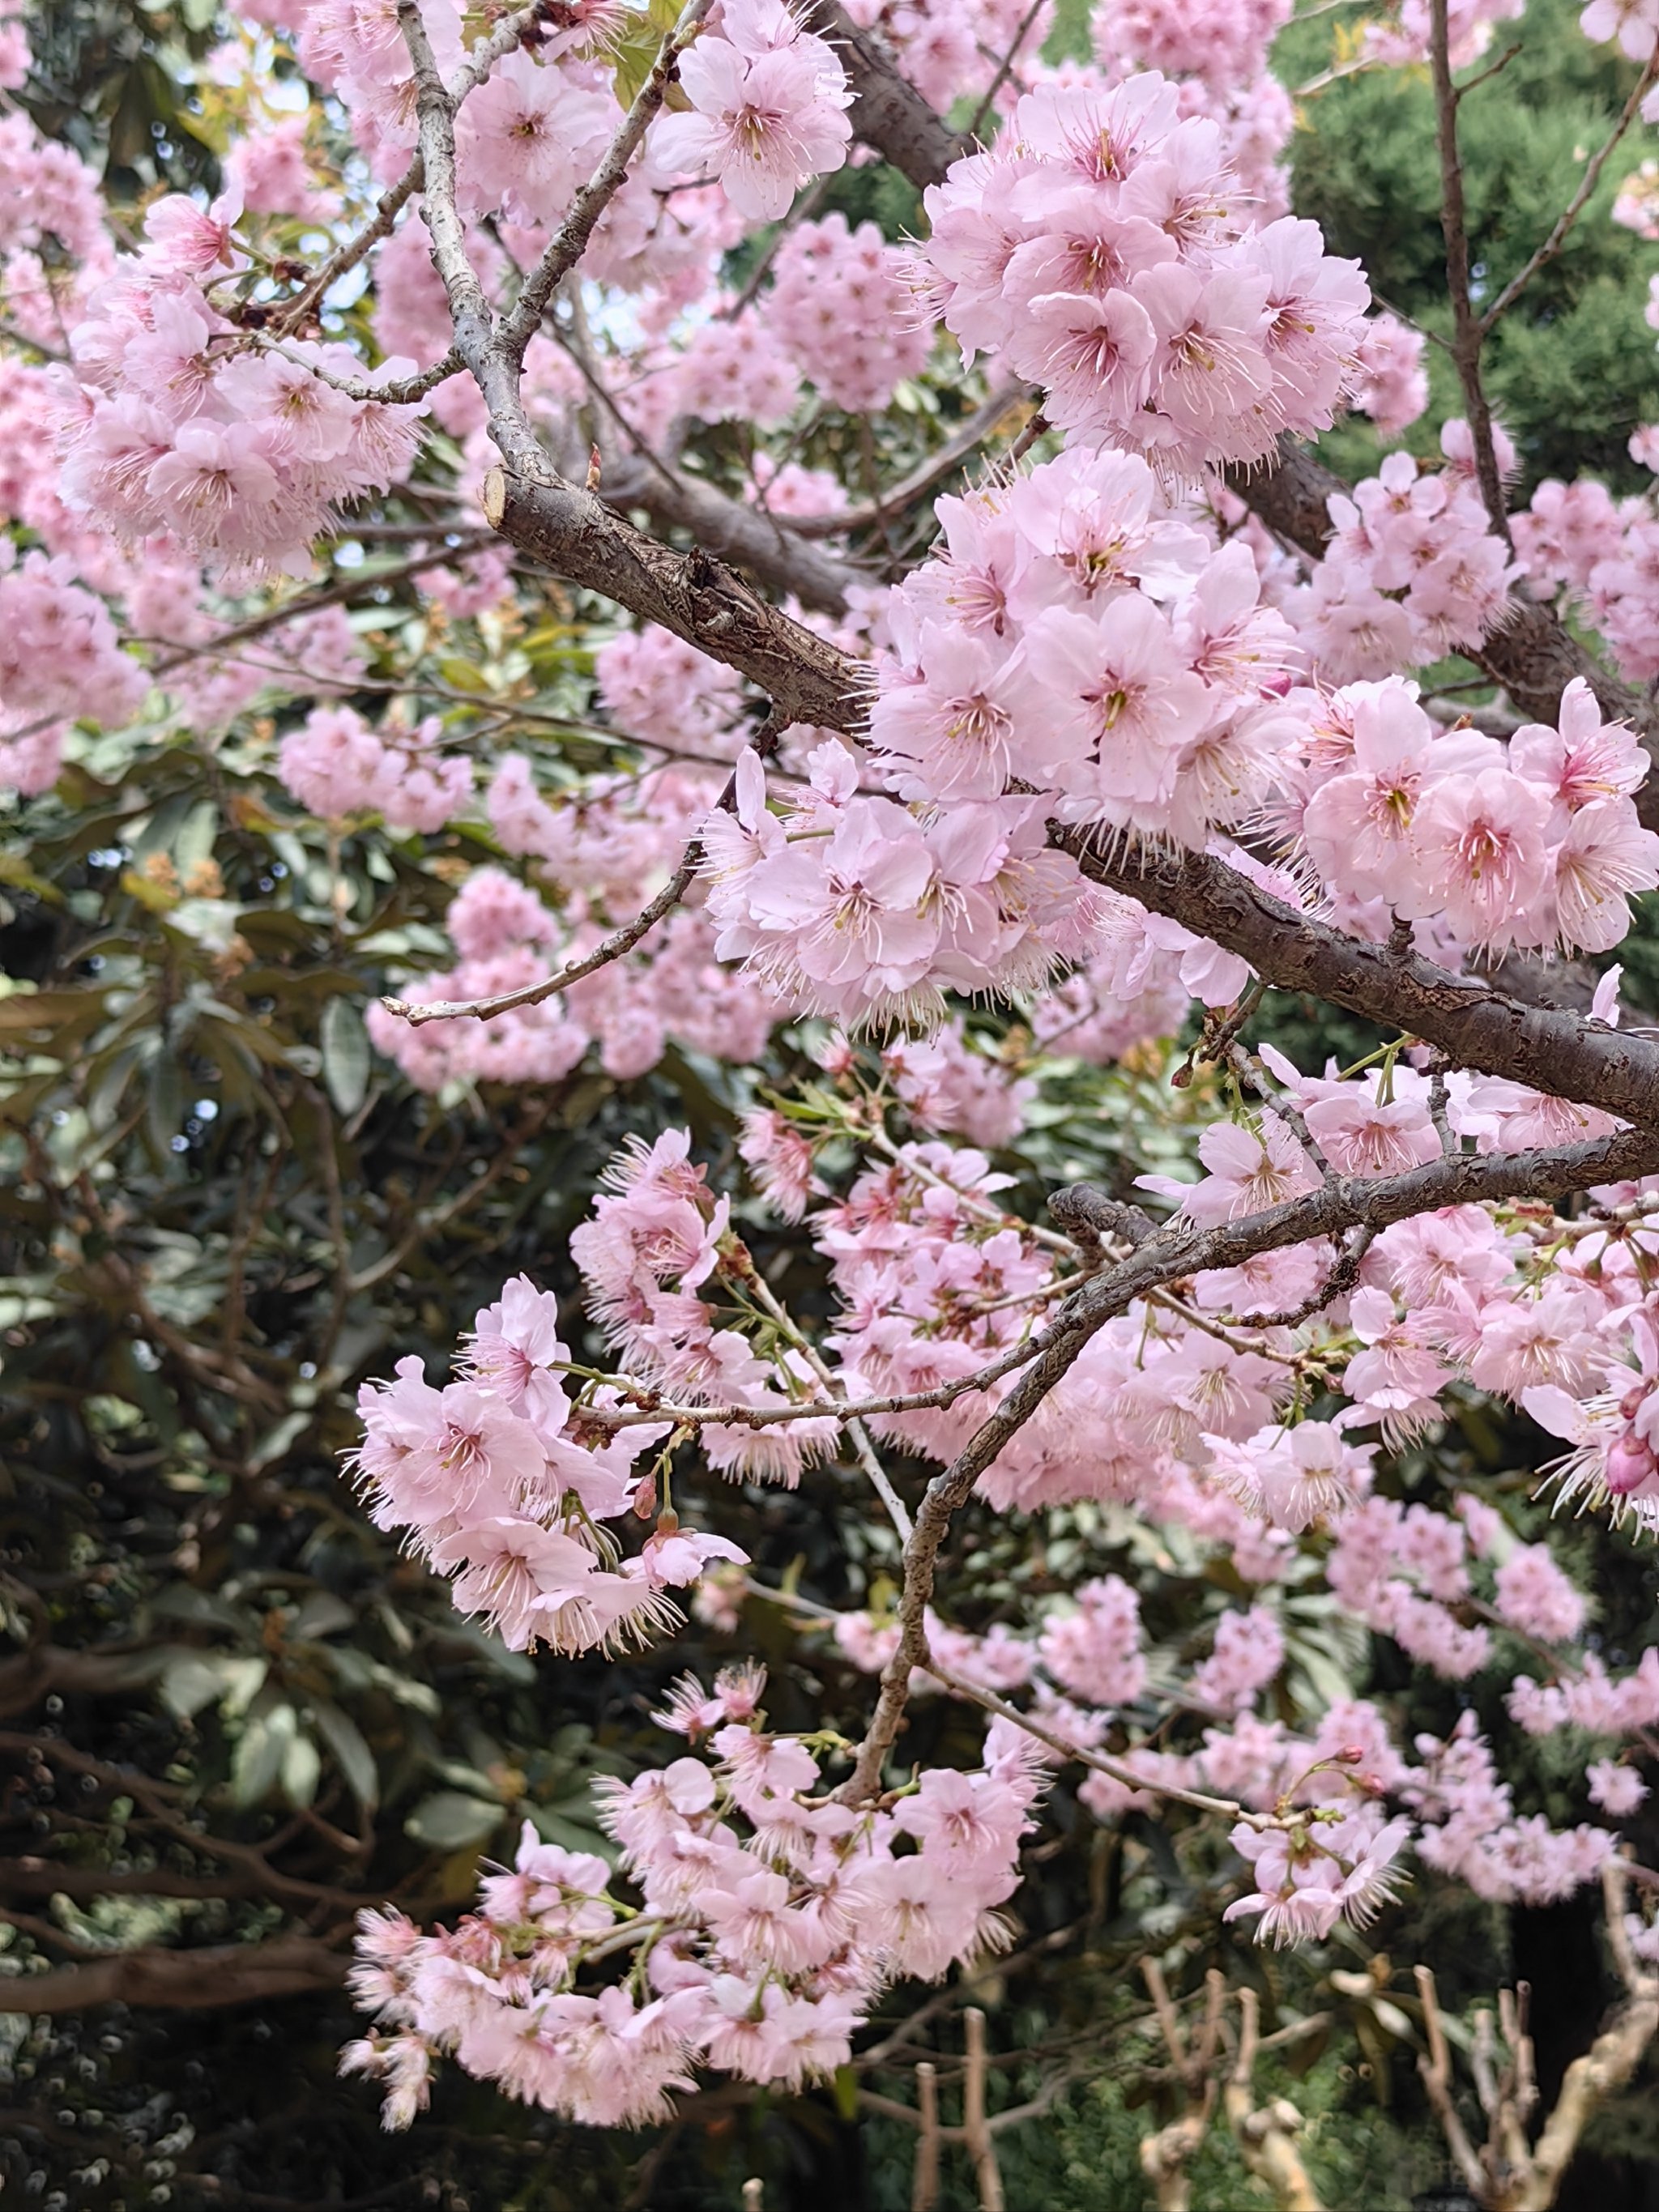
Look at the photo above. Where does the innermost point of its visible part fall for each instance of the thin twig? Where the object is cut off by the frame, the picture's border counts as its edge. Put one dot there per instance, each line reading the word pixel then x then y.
pixel 570 241
pixel 1468 331
pixel 1001 77
pixel 1575 207
pixel 609 949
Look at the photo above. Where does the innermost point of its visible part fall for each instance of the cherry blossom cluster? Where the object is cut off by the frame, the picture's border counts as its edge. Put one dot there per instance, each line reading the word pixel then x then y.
pixel 1075 632
pixel 1535 842
pixel 178 421
pixel 1394 386
pixel 1102 249
pixel 1224 41
pixel 1087 1678
pixel 947 1086
pixel 656 1239
pixel 60 660
pixel 1603 554
pixel 54 240
pixel 769 1919
pixel 335 765
pixel 861 909
pixel 1217 53
pixel 1076 635
pixel 498 1482
pixel 767 109
pixel 1413 573
pixel 840 308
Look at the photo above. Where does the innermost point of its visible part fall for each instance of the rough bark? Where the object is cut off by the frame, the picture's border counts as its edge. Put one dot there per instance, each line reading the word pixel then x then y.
pixel 209 1980
pixel 1474 1023
pixel 889 115
pixel 765 548
pixel 693 594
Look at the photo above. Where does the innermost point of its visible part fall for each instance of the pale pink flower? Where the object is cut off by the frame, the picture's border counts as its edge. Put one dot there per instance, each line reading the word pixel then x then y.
pixel 1618 1790
pixel 764 126
pixel 1604 858
pixel 1480 840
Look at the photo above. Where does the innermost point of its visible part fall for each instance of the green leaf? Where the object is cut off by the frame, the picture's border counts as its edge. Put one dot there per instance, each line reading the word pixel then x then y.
pixel 447 1821
pixel 241 1681
pixel 637 47
pixel 184 1601
pixel 189 1681
pixel 275 1441
pixel 345 1055
pixel 262 1750
pixel 572 1835
pixel 302 1767
pixel 351 1753
pixel 322 1614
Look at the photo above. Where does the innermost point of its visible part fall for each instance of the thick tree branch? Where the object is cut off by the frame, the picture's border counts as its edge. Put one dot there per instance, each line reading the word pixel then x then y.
pixel 692 594
pixel 773 552
pixel 206 1980
pixel 1475 1026
pixel 1179 1249
pixel 33 1877
pixel 887 114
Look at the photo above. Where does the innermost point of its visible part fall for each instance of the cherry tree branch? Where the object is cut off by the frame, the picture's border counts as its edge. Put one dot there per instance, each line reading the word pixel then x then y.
pixel 776 553
pixel 480 60
pixel 1180 1247
pixel 570 241
pixel 206 1980
pixel 612 948
pixel 1475 1025
pixel 1101 1762
pixel 693 594
pixel 1468 331
pixel 888 113
pixel 620 942
pixel 1581 199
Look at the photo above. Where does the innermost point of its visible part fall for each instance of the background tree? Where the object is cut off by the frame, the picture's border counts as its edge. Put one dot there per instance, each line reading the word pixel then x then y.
pixel 236 1712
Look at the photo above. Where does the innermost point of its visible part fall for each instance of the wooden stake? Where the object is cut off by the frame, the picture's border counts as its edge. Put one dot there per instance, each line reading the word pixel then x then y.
pixel 975 2126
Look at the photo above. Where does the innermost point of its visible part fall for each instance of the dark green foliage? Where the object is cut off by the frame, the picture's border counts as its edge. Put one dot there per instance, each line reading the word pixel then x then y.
pixel 220 1214
pixel 105 80
pixel 1571 370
